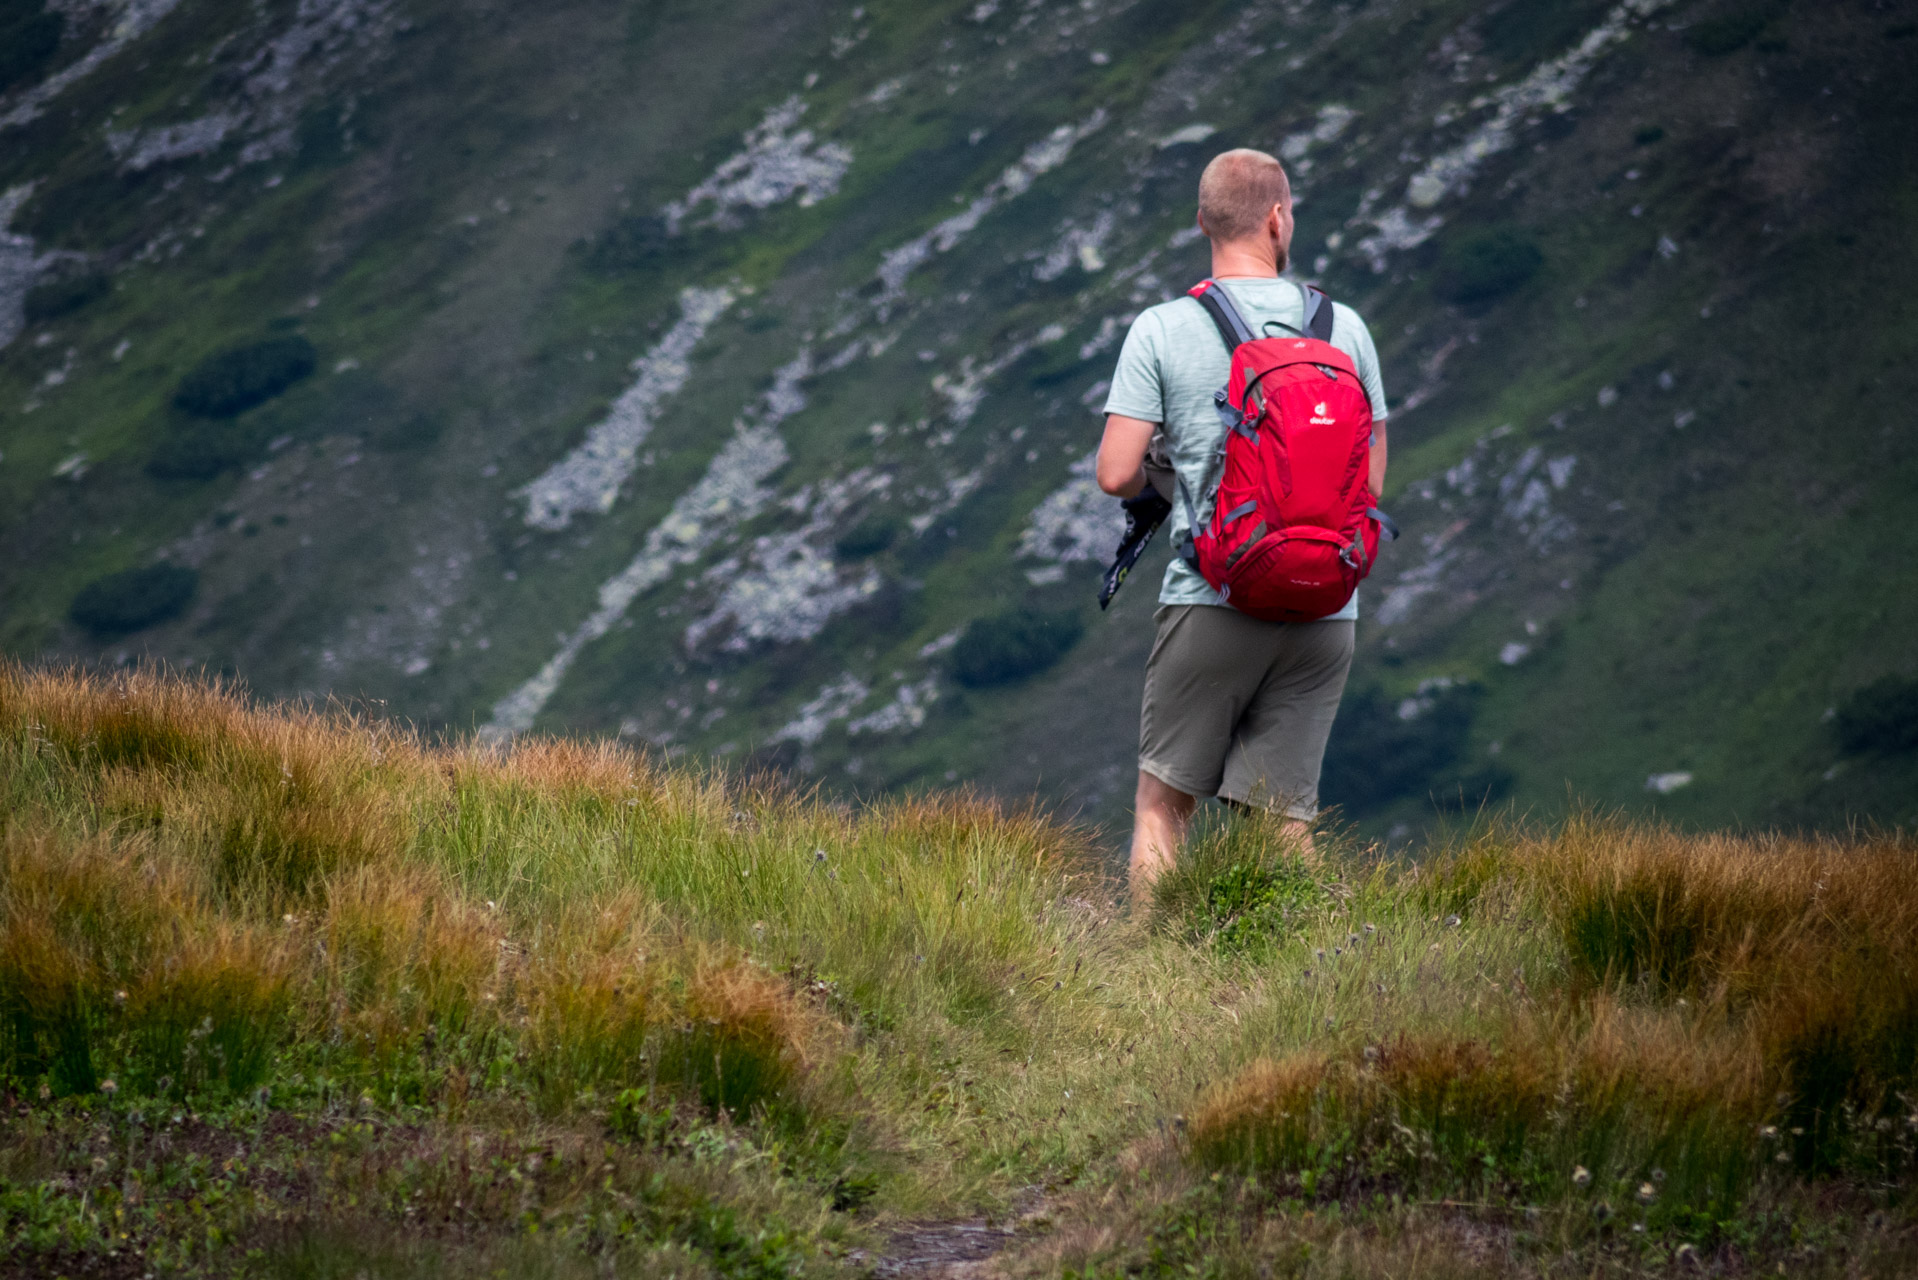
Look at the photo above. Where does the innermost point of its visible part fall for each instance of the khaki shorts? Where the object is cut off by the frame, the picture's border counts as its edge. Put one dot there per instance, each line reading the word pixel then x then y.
pixel 1241 709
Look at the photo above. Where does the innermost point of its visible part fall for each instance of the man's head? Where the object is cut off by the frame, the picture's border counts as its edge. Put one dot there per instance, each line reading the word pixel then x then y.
pixel 1245 200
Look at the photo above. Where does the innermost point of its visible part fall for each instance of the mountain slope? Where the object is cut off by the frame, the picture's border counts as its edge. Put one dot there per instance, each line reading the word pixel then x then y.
pixel 702 374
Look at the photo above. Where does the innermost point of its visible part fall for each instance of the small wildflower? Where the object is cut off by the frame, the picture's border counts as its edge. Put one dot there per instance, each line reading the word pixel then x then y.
pixel 46 1091
pixel 1647 1193
pixel 1639 1227
pixel 119 997
pixel 1770 1131
pixel 1658 1175
pixel 1320 953
pixel 818 855
pixel 1451 922
pixel 1797 1131
pixel 109 1088
pixel 1581 1176
pixel 1371 1053
pixel 1602 1211
pixel 1371 928
pixel 1783 1157
pixel 1687 1254
pixel 99 1164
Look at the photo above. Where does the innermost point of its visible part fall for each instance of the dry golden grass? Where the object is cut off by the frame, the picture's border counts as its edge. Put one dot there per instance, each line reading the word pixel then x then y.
pixel 203 882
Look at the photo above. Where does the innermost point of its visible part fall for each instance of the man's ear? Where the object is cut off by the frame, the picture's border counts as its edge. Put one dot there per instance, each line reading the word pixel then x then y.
pixel 1199 218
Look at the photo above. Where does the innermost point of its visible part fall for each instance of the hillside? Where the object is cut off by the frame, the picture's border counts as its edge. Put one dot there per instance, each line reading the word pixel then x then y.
pixel 293 995
pixel 701 374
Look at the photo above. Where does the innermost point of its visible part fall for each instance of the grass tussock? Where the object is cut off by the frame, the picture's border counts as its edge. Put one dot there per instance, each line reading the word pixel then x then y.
pixel 1711 1011
pixel 674 1021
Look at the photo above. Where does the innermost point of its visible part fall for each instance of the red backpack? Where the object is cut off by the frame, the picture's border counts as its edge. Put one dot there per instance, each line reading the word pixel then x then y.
pixel 1293 526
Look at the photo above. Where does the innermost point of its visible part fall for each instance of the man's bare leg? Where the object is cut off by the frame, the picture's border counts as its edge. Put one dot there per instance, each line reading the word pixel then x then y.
pixel 1159 815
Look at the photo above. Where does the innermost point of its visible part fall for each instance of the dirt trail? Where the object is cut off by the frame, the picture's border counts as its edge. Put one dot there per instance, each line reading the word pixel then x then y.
pixel 928 1250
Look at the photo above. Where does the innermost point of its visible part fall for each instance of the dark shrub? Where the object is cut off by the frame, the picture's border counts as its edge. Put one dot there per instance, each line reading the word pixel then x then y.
pixel 410 432
pixel 230 383
pixel 29 37
pixel 201 450
pixel 1732 32
pixel 1374 757
pixel 867 538
pixel 1488 265
pixel 1527 32
pixel 134 598
pixel 1476 789
pixel 1012 646
pixel 628 245
pixel 56 298
pixel 1882 716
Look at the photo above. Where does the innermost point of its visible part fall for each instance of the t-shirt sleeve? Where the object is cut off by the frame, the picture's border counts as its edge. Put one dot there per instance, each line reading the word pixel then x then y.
pixel 1137 388
pixel 1366 357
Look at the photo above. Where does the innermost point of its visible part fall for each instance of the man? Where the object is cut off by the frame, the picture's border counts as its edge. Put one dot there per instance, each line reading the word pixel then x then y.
pixel 1234 706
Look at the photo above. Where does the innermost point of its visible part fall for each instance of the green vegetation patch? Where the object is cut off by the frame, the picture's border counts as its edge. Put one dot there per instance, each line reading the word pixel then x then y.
pixel 1240 887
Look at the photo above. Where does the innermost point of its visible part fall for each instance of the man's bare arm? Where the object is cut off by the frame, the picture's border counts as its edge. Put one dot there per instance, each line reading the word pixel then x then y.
pixel 1122 455
pixel 1378 460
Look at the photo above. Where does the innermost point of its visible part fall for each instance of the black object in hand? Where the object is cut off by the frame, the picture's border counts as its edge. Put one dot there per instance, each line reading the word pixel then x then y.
pixel 1144 513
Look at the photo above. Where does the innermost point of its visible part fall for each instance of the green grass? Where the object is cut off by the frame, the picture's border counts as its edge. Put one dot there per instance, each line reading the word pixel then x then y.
pixel 281 990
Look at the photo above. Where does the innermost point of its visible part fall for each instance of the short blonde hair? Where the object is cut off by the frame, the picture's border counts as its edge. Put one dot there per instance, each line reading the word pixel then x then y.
pixel 1237 191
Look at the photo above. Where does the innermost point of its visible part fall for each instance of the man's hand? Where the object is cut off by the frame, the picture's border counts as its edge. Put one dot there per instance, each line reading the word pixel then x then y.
pixel 1122 455
pixel 1143 516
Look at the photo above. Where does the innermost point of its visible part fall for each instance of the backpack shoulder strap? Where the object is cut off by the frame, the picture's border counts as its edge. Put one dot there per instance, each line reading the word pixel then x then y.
pixel 1318 313
pixel 1218 304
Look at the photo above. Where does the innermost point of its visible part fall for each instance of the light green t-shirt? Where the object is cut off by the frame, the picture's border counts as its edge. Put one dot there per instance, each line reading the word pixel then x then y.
pixel 1172 362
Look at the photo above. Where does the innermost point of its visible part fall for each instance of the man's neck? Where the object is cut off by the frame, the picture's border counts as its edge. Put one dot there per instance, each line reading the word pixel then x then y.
pixel 1243 262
